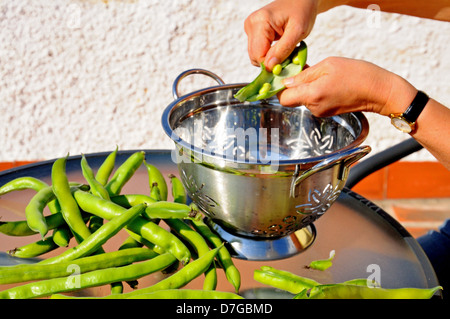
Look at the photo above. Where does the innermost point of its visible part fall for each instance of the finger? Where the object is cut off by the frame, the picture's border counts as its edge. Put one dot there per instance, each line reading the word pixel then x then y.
pixel 257 48
pixel 281 50
pixel 295 96
pixel 260 37
pixel 308 75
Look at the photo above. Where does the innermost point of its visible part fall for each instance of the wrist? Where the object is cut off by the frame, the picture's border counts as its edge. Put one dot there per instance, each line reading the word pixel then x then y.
pixel 400 95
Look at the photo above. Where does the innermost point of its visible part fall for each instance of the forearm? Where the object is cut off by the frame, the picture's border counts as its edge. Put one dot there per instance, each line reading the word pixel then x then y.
pixel 433 131
pixel 432 128
pixel 436 9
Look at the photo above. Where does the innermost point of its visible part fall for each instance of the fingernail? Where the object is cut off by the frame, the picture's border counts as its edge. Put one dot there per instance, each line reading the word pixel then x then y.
pixel 288 82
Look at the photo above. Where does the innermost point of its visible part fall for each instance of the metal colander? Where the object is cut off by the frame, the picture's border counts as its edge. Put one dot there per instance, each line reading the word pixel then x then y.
pixel 259 169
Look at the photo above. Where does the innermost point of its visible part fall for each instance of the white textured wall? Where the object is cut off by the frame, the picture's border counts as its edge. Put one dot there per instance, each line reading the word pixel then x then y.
pixel 85 76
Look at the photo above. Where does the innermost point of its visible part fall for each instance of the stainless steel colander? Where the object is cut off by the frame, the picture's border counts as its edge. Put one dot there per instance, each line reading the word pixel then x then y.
pixel 259 169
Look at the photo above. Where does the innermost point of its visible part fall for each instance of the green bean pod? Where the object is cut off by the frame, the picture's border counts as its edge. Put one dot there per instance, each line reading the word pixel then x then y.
pixel 34 249
pixel 155 176
pixel 268 84
pixel 161 238
pixel 187 294
pixel 345 291
pixel 170 210
pixel 199 244
pixel 179 279
pixel 106 168
pixel 62 235
pixel 98 238
pixel 283 280
pixel 96 187
pixel 30 272
pixel 69 207
pixel 322 264
pixel 34 211
pixel 20 228
pixel 178 191
pixel 94 278
pixel 124 172
pixel 155 192
pixel 128 200
pixel 22 183
pixel 29 182
pixel 116 288
pixel 141 240
pixel 232 273
pixel 139 225
pixel 130 242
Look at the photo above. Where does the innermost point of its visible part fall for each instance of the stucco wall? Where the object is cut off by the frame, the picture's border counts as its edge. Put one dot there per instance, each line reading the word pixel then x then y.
pixel 85 76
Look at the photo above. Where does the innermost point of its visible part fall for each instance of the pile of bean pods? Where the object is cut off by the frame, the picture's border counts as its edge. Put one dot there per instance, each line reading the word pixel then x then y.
pixel 359 288
pixel 91 214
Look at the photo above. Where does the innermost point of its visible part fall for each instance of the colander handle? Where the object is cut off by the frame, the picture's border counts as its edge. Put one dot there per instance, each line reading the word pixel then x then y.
pixel 186 73
pixel 348 157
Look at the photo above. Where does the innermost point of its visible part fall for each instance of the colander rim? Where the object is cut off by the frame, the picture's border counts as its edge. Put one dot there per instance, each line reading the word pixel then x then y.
pixel 360 138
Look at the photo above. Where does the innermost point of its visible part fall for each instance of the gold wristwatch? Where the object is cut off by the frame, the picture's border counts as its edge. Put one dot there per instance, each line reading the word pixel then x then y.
pixel 406 121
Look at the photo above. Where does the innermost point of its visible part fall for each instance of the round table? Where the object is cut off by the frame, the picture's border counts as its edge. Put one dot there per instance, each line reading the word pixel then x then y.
pixel 367 241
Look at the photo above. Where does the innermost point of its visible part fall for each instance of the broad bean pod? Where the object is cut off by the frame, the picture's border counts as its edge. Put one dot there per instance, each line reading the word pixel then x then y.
pixel 99 237
pixel 347 291
pixel 29 272
pixel 106 168
pixel 20 228
pixel 170 210
pixel 268 84
pixel 94 278
pixel 34 211
pixel 22 183
pixel 29 182
pixel 124 172
pixel 232 273
pixel 156 209
pixel 155 192
pixel 322 264
pixel 283 280
pixel 128 200
pixel 69 207
pixel 130 242
pixel 96 187
pixel 155 176
pixel 62 235
pixel 34 249
pixel 179 279
pixel 178 191
pixel 199 244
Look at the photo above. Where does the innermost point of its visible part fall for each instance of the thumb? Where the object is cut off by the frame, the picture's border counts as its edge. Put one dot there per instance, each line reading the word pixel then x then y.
pixel 308 75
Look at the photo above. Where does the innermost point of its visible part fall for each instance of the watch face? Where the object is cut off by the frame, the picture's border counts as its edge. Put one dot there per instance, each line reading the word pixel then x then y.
pixel 401 124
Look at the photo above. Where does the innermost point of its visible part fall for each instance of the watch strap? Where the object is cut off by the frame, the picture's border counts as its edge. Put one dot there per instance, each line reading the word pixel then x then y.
pixel 416 107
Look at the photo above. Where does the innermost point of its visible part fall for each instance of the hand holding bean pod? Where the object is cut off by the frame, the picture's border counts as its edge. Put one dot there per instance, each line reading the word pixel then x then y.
pixel 268 84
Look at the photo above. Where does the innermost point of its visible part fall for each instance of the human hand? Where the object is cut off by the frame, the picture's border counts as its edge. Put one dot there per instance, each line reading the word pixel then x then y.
pixel 285 21
pixel 340 85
